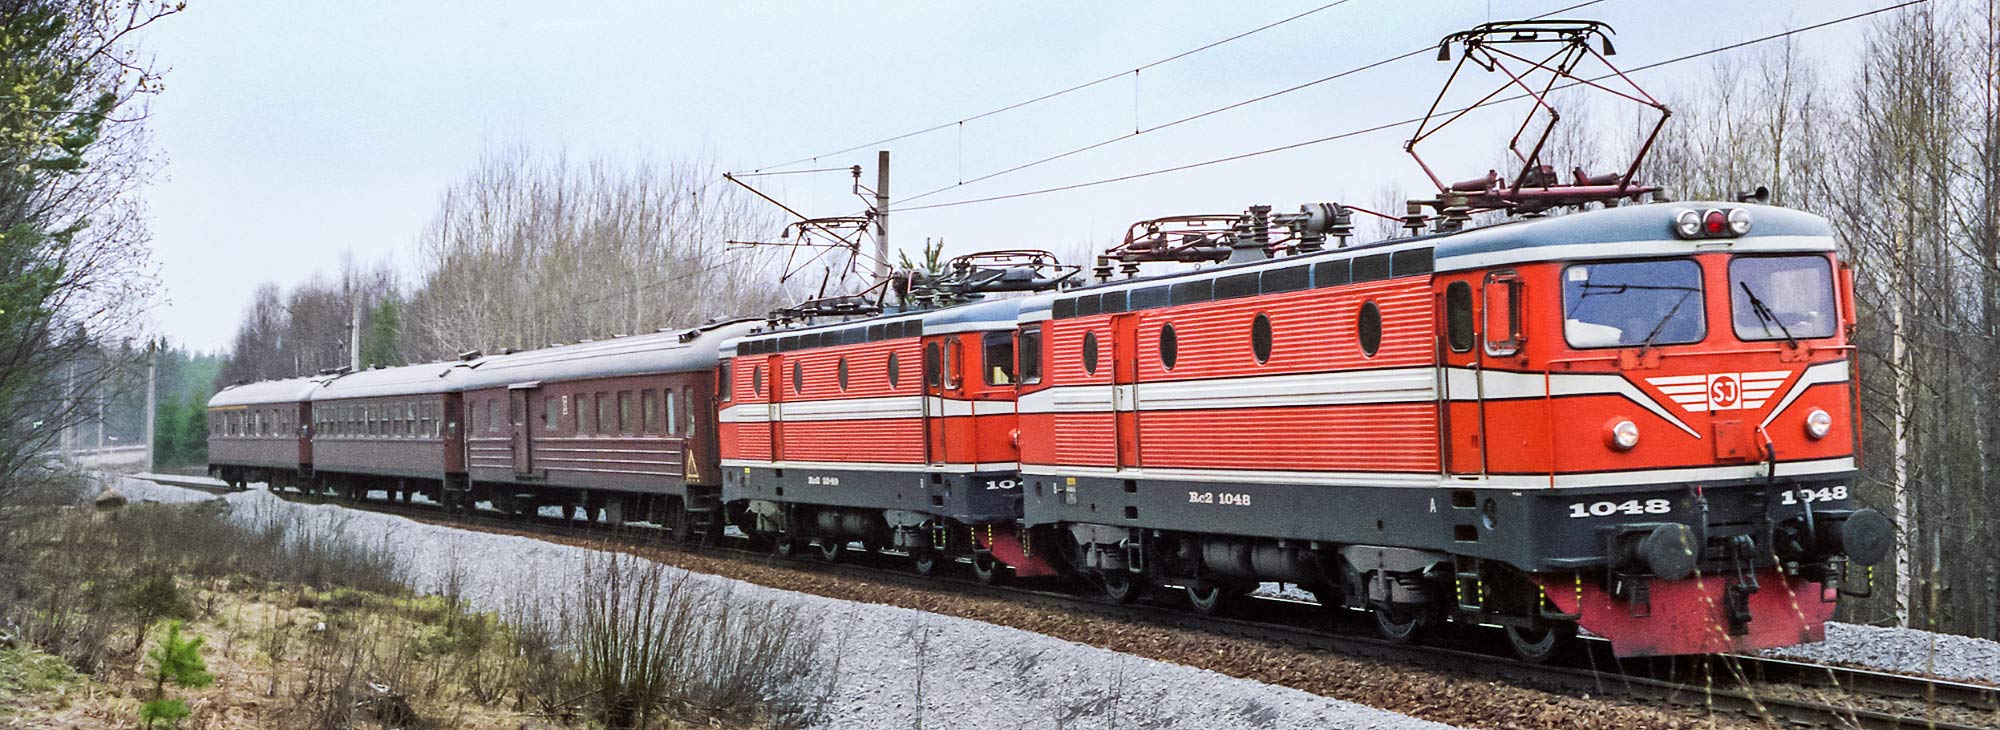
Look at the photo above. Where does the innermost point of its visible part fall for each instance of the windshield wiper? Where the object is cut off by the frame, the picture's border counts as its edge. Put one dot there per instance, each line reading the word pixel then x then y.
pixel 1764 313
pixel 1662 326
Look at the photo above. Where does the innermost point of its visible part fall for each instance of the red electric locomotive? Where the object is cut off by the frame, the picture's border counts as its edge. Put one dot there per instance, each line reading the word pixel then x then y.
pixel 842 423
pixel 1638 420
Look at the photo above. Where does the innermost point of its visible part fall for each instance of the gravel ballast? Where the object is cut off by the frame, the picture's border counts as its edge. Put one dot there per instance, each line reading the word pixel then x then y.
pixel 973 674
pixel 1909 651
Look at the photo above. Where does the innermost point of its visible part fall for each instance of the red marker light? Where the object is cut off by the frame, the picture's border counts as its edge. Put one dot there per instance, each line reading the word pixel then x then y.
pixel 1716 223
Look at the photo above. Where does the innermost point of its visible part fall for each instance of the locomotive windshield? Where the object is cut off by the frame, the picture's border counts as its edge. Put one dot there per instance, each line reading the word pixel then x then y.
pixel 1781 297
pixel 1633 303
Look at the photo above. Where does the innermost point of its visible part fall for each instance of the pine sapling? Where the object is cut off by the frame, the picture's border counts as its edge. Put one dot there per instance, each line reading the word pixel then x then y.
pixel 177 660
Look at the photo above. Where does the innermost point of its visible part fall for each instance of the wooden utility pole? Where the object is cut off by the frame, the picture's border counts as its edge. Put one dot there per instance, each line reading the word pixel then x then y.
pixel 881 215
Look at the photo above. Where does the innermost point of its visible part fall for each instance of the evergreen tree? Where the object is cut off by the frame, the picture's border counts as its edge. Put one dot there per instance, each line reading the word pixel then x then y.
pixel 176 660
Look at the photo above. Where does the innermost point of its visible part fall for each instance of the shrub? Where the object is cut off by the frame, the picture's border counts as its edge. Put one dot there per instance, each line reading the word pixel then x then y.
pixel 176 660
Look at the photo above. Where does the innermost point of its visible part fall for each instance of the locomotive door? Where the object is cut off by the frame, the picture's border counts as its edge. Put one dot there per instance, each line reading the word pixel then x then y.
pixel 937 376
pixel 1500 345
pixel 1125 388
pixel 773 412
pixel 520 398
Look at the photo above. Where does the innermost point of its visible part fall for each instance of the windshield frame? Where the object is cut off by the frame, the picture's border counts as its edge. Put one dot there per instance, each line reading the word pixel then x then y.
pixel 1696 301
pixel 1783 334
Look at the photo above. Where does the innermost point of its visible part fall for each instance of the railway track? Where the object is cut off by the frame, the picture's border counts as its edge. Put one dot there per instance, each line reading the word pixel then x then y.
pixel 1787 692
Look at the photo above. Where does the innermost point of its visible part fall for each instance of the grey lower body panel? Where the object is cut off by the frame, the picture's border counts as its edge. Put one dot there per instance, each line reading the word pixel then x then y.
pixel 1535 530
pixel 972 498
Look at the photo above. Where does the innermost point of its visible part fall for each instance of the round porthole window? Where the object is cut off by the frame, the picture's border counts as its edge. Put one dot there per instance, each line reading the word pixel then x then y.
pixel 1090 352
pixel 895 371
pixel 843 374
pixel 798 377
pixel 757 379
pixel 1368 327
pixel 1170 346
pixel 1260 338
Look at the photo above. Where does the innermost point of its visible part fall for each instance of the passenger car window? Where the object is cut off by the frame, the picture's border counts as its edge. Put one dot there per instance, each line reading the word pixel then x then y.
pixel 628 417
pixel 1781 297
pixel 648 412
pixel 1633 304
pixel 673 426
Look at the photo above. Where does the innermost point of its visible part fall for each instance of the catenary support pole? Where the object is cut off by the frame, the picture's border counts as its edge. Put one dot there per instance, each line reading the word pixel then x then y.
pixel 881 215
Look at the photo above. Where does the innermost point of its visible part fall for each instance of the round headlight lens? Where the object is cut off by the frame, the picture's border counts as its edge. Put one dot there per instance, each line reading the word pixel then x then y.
pixel 1819 423
pixel 1623 435
pixel 1688 224
pixel 1739 222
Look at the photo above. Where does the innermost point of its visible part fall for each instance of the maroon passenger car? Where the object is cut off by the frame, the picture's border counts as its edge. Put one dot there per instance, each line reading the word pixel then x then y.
pixel 621 428
pixel 254 434
pixel 394 429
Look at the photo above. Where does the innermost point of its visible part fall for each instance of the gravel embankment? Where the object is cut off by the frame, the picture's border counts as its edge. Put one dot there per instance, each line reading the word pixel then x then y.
pixel 1889 649
pixel 1910 651
pixel 972 673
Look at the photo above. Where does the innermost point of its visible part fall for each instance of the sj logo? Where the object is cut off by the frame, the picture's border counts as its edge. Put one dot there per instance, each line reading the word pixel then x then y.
pixel 1721 391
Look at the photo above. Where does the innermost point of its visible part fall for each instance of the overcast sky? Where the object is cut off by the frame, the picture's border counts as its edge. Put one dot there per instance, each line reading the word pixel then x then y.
pixel 294 132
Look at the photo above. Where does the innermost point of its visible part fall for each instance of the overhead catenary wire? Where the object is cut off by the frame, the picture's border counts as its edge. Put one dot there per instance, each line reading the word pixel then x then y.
pixel 1137 130
pixel 1404 122
pixel 1060 92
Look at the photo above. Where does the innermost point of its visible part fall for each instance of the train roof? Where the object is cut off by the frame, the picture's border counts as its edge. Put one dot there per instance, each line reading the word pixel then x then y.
pixel 1625 231
pixel 422 379
pixel 264 392
pixel 970 317
pixel 1621 232
pixel 678 351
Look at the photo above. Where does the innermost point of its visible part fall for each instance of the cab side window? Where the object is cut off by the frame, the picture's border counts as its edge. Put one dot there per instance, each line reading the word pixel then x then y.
pixel 1458 316
pixel 1030 352
pixel 999 352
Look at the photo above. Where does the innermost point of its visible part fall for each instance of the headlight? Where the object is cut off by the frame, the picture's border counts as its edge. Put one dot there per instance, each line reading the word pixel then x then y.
pixel 1739 222
pixel 1688 224
pixel 1818 423
pixel 1622 435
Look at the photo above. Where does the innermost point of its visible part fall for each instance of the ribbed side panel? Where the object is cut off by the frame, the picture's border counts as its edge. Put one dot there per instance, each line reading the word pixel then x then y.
pixel 876 440
pixel 1388 437
pixel 1083 439
pixel 753 441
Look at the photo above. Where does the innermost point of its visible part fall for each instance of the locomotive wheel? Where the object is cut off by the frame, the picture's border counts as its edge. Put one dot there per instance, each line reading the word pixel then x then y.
pixel 1536 645
pixel 987 569
pixel 784 547
pixel 1400 626
pixel 830 549
pixel 925 561
pixel 1119 586
pixel 1209 598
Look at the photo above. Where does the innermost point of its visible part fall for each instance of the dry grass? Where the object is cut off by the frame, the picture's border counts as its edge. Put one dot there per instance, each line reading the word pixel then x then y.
pixel 305 629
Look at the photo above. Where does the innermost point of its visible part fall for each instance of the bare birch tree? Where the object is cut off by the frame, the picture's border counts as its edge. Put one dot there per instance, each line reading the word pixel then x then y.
pixel 531 250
